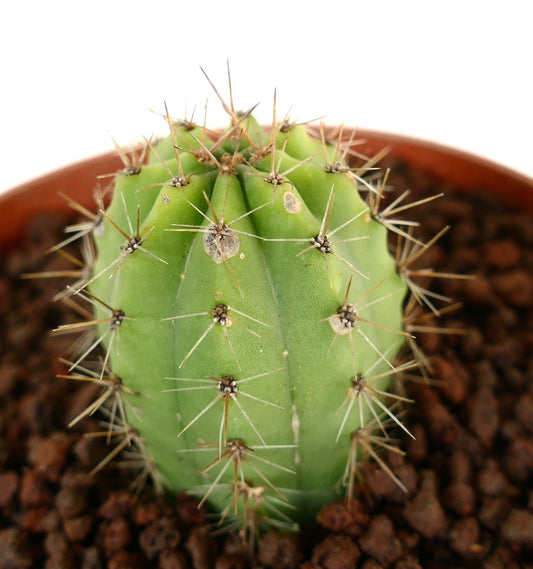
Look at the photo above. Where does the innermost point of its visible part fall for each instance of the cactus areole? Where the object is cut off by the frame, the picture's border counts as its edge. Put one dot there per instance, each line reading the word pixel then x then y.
pixel 249 315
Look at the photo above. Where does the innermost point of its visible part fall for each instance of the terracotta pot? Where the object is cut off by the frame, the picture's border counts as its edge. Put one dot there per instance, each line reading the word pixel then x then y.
pixel 464 171
pixel 467 171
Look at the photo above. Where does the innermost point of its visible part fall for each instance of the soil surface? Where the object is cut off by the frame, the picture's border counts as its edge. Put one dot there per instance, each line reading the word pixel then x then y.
pixel 469 472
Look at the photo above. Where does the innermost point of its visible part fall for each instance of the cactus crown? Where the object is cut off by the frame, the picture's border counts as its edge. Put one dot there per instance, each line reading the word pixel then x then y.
pixel 248 315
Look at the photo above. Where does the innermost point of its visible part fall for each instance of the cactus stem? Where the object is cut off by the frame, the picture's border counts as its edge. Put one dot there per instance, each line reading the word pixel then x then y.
pixel 233 226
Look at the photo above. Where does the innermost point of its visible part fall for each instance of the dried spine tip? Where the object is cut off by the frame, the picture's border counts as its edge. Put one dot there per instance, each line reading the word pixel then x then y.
pixel 234 219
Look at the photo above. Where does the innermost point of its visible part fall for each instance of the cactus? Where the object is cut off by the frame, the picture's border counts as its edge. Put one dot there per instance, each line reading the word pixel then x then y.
pixel 249 317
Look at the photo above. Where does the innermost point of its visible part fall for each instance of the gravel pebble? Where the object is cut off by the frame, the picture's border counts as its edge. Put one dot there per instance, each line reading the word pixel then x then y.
pixel 464 537
pixel 336 552
pixel 425 513
pixel 9 483
pixel 280 551
pixel 380 541
pixel 159 535
pixel 518 527
pixel 14 550
pixel 344 517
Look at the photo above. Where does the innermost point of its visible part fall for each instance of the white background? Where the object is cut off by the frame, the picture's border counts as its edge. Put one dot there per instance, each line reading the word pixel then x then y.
pixel 74 73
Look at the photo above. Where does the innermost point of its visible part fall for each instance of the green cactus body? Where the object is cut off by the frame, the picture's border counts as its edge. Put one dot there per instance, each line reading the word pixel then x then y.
pixel 259 290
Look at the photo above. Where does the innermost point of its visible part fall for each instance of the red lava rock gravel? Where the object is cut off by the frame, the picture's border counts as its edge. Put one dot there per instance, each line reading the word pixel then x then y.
pixel 469 472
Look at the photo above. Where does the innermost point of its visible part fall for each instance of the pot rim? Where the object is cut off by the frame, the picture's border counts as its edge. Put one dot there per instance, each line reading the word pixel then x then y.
pixel 469 170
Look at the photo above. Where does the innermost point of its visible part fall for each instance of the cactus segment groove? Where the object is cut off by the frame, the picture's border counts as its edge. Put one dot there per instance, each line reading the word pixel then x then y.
pixel 251 316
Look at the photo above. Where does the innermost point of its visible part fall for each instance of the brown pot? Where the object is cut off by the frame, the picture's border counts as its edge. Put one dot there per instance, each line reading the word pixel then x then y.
pixel 461 170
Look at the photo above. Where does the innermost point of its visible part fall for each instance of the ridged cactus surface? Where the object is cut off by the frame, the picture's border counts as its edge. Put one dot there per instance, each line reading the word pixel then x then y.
pixel 250 314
